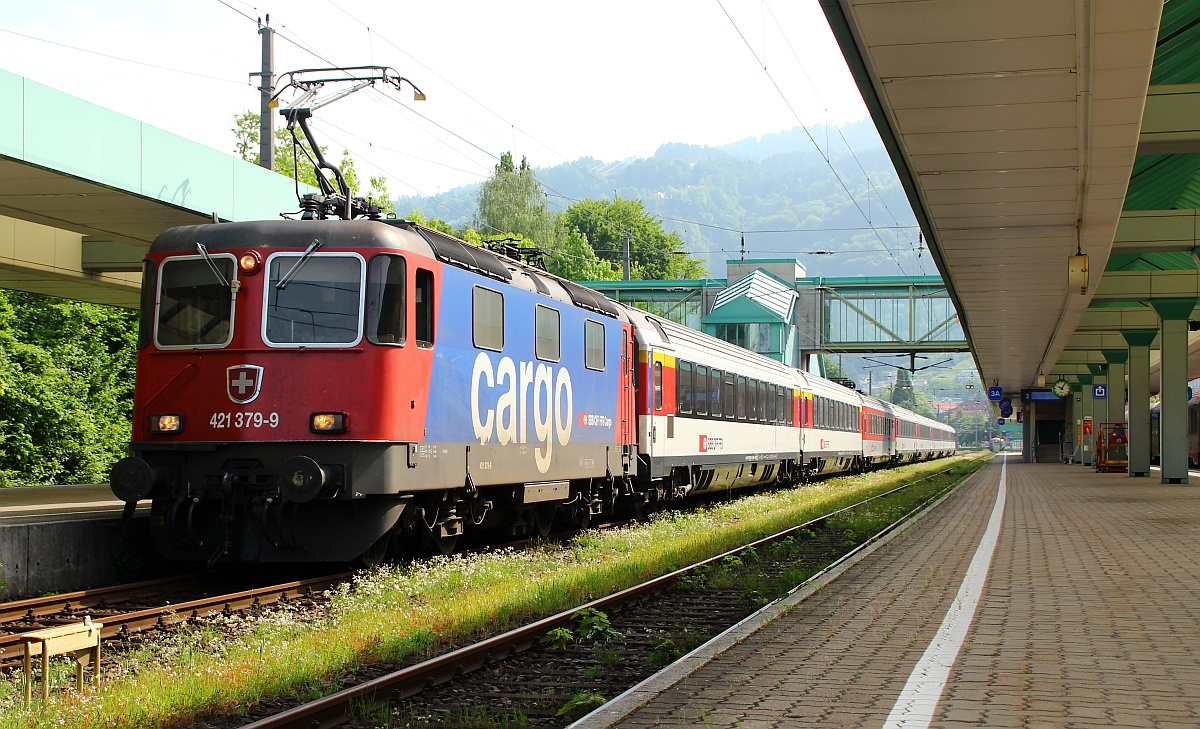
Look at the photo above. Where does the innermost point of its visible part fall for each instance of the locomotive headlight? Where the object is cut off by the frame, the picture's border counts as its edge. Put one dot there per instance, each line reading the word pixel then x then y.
pixel 328 423
pixel 169 423
pixel 249 262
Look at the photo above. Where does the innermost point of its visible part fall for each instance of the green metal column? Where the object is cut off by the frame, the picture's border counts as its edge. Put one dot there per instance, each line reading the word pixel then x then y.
pixel 1172 418
pixel 1087 441
pixel 1074 414
pixel 1139 399
pixel 1116 359
pixel 1100 407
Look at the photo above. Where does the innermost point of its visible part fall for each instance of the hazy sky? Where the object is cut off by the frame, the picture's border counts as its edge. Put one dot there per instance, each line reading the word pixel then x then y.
pixel 552 80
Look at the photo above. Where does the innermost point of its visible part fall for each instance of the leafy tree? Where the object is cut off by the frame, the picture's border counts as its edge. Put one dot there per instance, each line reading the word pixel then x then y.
pixel 66 388
pixel 833 367
pixel 655 253
pixel 512 204
pixel 512 201
pixel 576 261
pixel 417 216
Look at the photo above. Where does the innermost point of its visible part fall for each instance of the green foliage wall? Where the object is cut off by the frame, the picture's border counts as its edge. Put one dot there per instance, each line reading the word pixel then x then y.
pixel 66 389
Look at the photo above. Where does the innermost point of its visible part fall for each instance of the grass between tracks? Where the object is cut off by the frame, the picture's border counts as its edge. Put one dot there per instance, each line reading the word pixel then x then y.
pixel 399 611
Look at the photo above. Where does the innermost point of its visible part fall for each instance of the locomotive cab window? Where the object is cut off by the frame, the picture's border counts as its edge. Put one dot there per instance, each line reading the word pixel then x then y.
pixel 195 306
pixel 146 307
pixel 313 299
pixel 423 301
pixel 546 343
pixel 487 318
pixel 593 345
pixel 386 283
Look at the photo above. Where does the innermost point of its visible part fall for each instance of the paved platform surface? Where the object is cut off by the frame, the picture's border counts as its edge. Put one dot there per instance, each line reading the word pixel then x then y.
pixel 1089 616
pixel 23 505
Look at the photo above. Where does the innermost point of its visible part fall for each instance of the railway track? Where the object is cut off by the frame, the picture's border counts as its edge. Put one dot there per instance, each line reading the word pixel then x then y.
pixel 516 683
pixel 138 606
pixel 132 608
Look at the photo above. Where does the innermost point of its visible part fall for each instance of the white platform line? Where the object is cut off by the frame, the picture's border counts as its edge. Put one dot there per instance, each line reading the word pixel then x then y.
pixel 916 704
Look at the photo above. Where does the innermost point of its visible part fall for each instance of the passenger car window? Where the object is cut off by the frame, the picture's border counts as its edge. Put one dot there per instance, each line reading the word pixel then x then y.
pixel 716 379
pixel 683 386
pixel 658 386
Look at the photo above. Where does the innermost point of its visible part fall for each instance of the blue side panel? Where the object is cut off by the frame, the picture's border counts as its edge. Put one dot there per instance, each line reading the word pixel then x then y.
pixel 482 396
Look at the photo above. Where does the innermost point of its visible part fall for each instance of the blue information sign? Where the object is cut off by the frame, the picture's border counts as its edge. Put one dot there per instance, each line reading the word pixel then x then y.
pixel 1006 404
pixel 995 393
pixel 999 421
pixel 1100 392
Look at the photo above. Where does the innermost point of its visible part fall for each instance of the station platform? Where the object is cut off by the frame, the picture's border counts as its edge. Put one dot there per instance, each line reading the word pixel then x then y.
pixel 42 503
pixel 55 538
pixel 1034 595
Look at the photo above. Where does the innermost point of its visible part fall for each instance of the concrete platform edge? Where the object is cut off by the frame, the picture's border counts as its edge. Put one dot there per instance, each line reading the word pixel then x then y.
pixel 638 696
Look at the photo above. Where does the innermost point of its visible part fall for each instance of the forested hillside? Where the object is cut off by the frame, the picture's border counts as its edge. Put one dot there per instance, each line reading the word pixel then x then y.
pixel 778 182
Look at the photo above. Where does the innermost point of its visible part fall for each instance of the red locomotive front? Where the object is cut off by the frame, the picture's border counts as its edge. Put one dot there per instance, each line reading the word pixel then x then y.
pixel 264 352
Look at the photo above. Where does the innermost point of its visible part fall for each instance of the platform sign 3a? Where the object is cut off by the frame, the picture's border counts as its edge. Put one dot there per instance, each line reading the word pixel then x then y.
pixel 995 394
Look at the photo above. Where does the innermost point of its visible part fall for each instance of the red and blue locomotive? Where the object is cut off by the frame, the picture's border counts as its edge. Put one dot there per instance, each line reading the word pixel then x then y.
pixel 325 390
pixel 339 386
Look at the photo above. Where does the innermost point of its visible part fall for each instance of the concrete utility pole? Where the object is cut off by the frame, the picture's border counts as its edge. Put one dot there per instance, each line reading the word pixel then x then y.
pixel 626 243
pixel 266 130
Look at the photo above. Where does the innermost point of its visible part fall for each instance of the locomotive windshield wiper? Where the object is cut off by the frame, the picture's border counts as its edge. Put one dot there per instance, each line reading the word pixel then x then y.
pixel 287 277
pixel 211 264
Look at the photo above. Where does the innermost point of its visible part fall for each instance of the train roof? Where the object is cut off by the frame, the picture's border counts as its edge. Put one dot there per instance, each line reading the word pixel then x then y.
pixel 385 234
pixel 688 343
pixel 290 234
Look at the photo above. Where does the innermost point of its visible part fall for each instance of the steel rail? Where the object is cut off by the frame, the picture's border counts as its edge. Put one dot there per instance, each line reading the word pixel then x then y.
pixel 35 607
pixel 334 709
pixel 147 618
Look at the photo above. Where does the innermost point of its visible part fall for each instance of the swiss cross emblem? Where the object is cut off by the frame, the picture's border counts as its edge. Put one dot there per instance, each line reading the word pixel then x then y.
pixel 243 382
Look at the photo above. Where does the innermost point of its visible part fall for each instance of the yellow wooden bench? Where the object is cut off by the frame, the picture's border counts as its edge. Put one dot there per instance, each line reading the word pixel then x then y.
pixel 82 640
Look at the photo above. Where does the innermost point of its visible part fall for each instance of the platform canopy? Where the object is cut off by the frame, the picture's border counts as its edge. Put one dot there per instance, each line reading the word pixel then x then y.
pixel 1014 127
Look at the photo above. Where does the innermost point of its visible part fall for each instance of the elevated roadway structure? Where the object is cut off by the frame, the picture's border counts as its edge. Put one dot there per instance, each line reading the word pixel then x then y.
pixel 84 190
pixel 1028 132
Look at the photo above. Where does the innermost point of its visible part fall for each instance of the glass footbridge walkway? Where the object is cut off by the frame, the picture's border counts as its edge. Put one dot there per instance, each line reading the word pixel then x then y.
pixel 772 307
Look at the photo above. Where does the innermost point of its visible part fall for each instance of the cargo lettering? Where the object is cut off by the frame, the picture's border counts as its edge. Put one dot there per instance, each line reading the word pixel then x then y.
pixel 507 421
